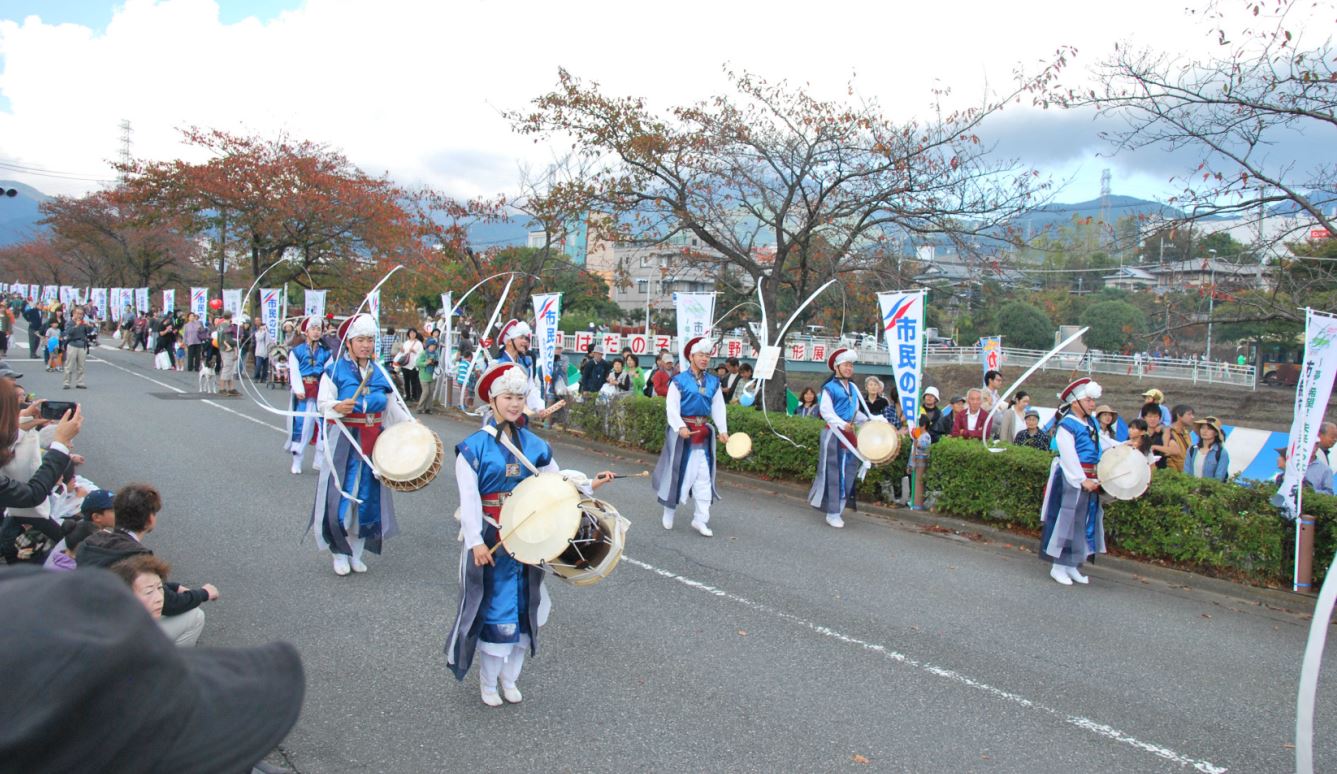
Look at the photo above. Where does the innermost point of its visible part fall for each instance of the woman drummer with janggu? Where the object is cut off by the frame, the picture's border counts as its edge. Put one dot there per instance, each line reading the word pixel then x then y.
pixel 354 511
pixel 502 602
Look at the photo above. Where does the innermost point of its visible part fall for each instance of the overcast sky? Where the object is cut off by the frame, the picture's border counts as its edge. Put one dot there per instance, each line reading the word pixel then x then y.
pixel 415 89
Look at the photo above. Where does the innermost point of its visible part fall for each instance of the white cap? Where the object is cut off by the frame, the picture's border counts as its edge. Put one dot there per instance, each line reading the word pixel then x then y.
pixel 703 347
pixel 932 391
pixel 363 325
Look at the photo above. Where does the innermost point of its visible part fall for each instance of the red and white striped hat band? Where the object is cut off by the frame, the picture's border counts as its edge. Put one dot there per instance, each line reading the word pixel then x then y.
pixel 502 379
pixel 514 329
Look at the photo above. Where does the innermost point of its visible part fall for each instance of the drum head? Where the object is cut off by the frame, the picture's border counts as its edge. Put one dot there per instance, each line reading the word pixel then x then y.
pixel 878 441
pixel 596 549
pixel 540 517
pixel 739 445
pixel 1123 472
pixel 404 451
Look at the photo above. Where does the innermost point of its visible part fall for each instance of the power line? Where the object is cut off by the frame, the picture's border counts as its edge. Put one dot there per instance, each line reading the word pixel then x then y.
pixel 16 167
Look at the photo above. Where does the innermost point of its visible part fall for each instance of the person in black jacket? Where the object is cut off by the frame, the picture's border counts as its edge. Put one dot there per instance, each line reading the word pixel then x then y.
pixel 594 372
pixel 137 507
pixel 30 493
pixel 33 316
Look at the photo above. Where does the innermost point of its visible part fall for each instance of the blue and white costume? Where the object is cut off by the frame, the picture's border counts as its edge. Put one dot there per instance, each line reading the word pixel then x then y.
pixel 501 605
pixel 1073 518
pixel 509 332
pixel 354 510
pixel 306 364
pixel 687 465
pixel 839 465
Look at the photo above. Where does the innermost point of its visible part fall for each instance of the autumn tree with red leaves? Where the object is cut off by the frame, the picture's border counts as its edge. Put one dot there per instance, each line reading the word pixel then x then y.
pixel 771 170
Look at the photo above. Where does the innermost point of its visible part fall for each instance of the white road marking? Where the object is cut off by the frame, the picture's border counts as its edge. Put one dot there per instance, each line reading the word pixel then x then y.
pixel 1086 724
pixel 206 402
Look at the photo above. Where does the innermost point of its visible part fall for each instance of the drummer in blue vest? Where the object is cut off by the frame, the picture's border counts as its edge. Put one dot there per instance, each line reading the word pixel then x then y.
pixel 502 602
pixel 839 467
pixel 306 362
pixel 354 510
pixel 1074 528
pixel 516 338
pixel 687 461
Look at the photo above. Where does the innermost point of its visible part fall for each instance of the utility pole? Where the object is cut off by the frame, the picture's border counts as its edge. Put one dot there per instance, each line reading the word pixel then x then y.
pixel 1211 304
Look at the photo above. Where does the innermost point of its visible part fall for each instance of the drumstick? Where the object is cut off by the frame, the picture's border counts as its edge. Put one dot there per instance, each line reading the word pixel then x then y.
pixel 510 532
pixel 642 474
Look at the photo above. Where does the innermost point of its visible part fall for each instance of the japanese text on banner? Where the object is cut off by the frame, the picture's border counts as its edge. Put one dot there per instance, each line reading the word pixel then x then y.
pixel 903 328
pixel 547 313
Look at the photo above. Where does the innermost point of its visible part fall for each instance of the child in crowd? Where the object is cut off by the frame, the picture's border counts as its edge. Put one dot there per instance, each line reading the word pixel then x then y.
pixel 922 441
pixel 428 360
pixel 53 360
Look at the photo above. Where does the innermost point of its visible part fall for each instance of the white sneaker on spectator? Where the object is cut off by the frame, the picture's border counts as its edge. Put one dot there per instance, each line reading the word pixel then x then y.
pixel 1060 574
pixel 491 698
pixel 512 694
pixel 341 566
pixel 834 520
pixel 1077 576
pixel 703 529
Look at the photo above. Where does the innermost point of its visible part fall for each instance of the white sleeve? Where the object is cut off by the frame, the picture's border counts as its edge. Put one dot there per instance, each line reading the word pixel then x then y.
pixel 1067 458
pixel 673 407
pixel 719 413
pixel 827 409
pixel 534 398
pixel 553 467
pixel 396 410
pixel 1108 442
pixel 327 397
pixel 295 377
pixel 471 503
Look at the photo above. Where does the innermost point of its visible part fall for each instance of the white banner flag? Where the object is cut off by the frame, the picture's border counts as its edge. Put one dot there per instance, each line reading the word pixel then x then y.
pixel 1317 371
pixel 98 297
pixel 232 303
pixel 126 302
pixel 169 300
pixel 547 311
pixel 199 303
pixel 903 328
pixel 67 295
pixel 448 311
pixel 50 293
pixel 695 312
pixel 270 301
pixel 142 299
pixel 315 303
pixel 20 288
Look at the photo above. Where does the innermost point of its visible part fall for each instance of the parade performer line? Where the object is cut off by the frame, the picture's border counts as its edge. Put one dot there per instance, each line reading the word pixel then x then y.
pixel 1078 721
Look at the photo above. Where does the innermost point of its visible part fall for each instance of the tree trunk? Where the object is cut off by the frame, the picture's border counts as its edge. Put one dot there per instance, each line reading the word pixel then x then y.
pixel 776 386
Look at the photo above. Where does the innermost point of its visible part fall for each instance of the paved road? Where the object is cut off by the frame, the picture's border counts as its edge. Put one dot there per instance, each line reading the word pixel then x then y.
pixel 778 645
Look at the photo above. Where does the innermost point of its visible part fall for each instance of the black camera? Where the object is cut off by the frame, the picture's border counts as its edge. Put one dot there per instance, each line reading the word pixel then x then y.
pixel 56 409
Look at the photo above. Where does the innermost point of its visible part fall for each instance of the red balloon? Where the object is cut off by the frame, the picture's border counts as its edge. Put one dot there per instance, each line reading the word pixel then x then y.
pixel 215 303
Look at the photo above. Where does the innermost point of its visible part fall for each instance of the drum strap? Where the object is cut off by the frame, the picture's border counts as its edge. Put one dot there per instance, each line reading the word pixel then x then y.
pixel 510 447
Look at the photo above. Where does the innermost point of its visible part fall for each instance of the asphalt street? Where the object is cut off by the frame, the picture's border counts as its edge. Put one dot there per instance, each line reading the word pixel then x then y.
pixel 778 645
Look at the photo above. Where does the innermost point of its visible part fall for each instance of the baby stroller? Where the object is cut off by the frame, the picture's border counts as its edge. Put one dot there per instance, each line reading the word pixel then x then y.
pixel 278 367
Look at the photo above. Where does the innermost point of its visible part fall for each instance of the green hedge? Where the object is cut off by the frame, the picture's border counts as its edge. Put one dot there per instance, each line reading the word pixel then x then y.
pixel 1222 529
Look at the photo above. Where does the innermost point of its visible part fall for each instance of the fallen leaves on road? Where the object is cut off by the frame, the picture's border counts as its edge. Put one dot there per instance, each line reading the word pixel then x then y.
pixel 860 759
pixel 1207 616
pixel 742 632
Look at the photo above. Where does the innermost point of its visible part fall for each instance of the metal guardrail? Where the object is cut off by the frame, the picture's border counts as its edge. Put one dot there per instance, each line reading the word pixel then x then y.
pixel 1091 362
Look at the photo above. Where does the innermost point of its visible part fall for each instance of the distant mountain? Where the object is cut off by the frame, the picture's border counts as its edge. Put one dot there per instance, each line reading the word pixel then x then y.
pixel 1324 200
pixel 19 215
pixel 1057 214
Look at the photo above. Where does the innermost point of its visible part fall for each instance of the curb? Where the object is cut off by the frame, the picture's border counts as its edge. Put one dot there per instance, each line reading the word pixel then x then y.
pixel 1276 599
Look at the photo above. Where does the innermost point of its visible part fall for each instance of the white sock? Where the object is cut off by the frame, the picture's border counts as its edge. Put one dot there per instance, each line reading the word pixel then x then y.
pixel 668 517
pixel 357 544
pixel 510 669
pixel 489 668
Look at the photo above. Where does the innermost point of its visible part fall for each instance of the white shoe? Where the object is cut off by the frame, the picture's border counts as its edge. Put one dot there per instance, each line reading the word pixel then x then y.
pixel 296 465
pixel 1077 576
pixel 668 521
pixel 358 566
pixel 319 462
pixel 512 694
pixel 703 529
pixel 1061 575
pixel 834 520
pixel 341 565
pixel 491 698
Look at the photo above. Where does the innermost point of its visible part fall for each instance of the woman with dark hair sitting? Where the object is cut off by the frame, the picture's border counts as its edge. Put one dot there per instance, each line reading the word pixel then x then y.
pixel 30 493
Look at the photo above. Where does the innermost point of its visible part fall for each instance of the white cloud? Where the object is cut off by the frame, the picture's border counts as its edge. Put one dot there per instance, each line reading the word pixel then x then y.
pixel 416 89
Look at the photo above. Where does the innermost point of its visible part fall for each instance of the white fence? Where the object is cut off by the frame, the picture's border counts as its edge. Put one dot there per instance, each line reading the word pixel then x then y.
pixel 1093 362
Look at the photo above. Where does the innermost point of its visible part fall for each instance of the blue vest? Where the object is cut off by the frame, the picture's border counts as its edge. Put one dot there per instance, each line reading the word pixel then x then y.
pixel 343 372
pixel 526 362
pixel 489 459
pixel 1084 434
pixel 844 399
pixel 696 398
pixel 311 365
